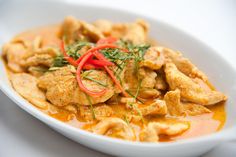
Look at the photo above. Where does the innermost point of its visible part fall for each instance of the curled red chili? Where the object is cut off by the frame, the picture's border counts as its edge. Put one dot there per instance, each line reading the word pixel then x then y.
pixel 80 83
pixel 87 62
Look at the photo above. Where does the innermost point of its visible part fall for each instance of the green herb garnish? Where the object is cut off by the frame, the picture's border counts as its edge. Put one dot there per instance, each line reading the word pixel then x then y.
pixel 72 50
pixel 98 82
pixel 91 106
pixel 59 61
pixel 138 88
pixel 126 119
pixel 134 96
pixel 137 109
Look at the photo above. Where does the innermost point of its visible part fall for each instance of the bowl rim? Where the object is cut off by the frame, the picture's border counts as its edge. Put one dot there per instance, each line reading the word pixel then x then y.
pixel 224 134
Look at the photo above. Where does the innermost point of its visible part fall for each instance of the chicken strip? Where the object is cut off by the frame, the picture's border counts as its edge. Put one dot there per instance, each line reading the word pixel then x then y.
pixel 161 82
pixel 135 32
pixel 13 52
pixel 184 64
pixel 177 108
pixel 105 26
pixel 144 79
pixel 62 88
pixel 69 28
pixel 89 30
pixel 154 129
pixel 38 59
pixel 74 29
pixel 192 109
pixel 101 111
pixel 148 78
pixel 190 90
pixel 119 127
pixel 172 99
pixel 156 108
pixel 26 86
pixel 153 58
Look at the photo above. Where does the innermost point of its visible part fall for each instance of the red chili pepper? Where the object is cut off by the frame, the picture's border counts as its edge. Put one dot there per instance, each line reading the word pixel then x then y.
pixel 80 83
pixel 100 62
pixel 108 40
pixel 100 47
pixel 102 58
pixel 96 49
pixel 115 81
pixel 88 66
pixel 81 57
pixel 67 57
pixel 86 62
pixel 99 55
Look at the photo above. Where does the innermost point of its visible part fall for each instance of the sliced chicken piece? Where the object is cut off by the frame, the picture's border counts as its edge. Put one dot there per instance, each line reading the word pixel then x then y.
pixel 13 52
pixel 36 55
pixel 37 71
pixel 50 78
pixel 147 93
pixel 177 108
pixel 203 84
pixel 127 100
pixel 38 59
pixel 26 86
pixel 192 109
pixel 190 90
pixel 161 82
pixel 47 37
pixel 153 58
pixel 36 43
pixel 133 118
pixel 91 31
pixel 101 111
pixel 156 108
pixel 118 127
pixel 148 78
pixel 172 99
pixel 71 108
pixel 105 26
pixel 53 52
pixel 154 129
pixel 184 64
pixel 74 29
pixel 33 46
pixel 135 32
pixel 23 47
pixel 62 88
pixel 130 76
pixel 69 29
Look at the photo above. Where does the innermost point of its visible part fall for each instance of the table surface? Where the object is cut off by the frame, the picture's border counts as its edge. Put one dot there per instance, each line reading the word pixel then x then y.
pixel 212 21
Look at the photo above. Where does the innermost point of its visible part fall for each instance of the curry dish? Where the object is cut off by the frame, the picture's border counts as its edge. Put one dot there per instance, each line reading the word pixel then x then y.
pixel 111 79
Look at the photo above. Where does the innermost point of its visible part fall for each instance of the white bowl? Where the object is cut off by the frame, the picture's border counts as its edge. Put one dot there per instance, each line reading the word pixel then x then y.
pixel 17 16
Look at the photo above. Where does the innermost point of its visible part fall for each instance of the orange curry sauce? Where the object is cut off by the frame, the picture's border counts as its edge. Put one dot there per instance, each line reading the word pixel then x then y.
pixel 199 125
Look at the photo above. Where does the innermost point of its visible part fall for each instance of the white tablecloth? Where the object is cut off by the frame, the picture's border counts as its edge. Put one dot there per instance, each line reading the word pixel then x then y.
pixel 212 21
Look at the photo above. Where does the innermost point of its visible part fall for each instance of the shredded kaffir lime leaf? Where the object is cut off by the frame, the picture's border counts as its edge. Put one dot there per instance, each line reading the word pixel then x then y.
pixel 72 51
pixel 59 61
